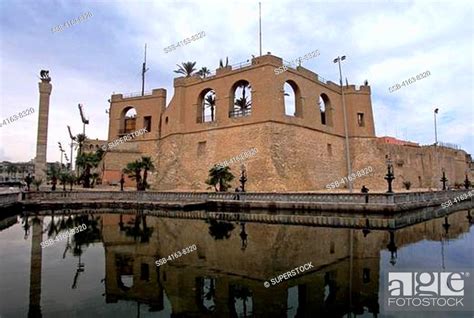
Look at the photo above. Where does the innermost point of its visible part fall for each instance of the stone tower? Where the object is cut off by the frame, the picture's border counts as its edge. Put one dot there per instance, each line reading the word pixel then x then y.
pixel 42 139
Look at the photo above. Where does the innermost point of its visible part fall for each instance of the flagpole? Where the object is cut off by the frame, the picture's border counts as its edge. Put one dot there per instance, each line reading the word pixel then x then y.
pixel 260 25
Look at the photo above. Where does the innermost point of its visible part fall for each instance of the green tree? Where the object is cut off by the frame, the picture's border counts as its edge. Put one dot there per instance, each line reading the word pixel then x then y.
pixel 87 161
pixel 147 165
pixel 53 175
pixel 71 179
pixel 80 138
pixel 204 72
pixel 133 171
pixel 186 68
pixel 220 176
pixel 64 178
pixel 242 103
pixel 210 101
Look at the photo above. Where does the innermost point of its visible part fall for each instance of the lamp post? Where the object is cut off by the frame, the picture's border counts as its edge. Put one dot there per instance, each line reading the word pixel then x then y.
pixel 72 142
pixel 62 151
pixel 436 131
pixel 444 179
pixel 348 159
pixel 467 183
pixel 392 247
pixel 243 178
pixel 389 176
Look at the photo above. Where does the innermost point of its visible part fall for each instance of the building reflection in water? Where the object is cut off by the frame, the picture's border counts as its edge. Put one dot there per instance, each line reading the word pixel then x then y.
pixel 219 280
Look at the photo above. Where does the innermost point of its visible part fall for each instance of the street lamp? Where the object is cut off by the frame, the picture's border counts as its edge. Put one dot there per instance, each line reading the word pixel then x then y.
pixel 73 138
pixel 436 132
pixel 348 159
pixel 62 151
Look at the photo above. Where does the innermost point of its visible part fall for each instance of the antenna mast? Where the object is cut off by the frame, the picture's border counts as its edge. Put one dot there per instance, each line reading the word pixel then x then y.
pixel 144 69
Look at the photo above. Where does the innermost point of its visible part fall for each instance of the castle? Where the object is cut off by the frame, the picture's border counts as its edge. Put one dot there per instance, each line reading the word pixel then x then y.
pixel 294 119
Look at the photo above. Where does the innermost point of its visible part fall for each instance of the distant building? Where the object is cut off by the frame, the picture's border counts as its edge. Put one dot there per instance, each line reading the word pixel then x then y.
pixel 17 171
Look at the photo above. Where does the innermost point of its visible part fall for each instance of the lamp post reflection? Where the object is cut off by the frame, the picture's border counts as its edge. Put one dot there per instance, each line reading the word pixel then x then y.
pixel 392 247
pixel 243 236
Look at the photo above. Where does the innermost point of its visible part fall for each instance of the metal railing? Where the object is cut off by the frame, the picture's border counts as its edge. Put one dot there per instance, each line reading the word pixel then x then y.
pixel 240 113
pixel 448 145
pixel 138 94
pixel 241 65
pixel 206 119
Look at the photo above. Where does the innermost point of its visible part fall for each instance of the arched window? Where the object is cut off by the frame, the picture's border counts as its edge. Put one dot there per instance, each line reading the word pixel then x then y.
pixel 241 301
pixel 206 289
pixel 325 110
pixel 241 98
pixel 289 98
pixel 128 121
pixel 206 107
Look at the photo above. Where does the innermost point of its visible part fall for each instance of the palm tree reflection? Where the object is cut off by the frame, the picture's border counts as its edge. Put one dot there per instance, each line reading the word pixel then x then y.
pixel 206 293
pixel 240 301
pixel 220 230
pixel 136 227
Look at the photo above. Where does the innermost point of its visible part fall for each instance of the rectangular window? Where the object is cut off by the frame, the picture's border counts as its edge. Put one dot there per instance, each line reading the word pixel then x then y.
pixel 147 123
pixel 201 150
pixel 332 248
pixel 329 149
pixel 360 119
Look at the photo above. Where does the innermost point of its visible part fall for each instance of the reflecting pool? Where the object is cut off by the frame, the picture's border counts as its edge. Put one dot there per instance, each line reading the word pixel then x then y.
pixel 110 268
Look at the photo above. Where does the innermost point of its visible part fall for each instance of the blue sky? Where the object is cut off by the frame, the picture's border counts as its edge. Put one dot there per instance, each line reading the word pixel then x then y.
pixel 385 42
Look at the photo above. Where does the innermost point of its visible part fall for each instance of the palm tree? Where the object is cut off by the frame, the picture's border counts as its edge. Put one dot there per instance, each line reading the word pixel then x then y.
pixel 71 179
pixel 186 68
pixel 210 101
pixel 133 170
pixel 221 176
pixel 221 64
pixel 53 175
pixel 204 71
pixel 81 138
pixel 64 178
pixel 242 103
pixel 147 165
pixel 87 161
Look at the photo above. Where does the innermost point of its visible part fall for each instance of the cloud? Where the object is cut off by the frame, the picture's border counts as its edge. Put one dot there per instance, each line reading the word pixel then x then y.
pixel 385 42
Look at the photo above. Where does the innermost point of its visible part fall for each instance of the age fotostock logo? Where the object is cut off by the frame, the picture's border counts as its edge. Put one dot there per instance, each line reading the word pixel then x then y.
pixel 429 290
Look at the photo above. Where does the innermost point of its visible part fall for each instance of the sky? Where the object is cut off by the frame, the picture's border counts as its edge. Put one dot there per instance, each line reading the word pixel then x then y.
pixel 385 42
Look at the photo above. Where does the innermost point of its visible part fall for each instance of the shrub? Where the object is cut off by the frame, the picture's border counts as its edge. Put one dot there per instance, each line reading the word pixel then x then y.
pixel 407 184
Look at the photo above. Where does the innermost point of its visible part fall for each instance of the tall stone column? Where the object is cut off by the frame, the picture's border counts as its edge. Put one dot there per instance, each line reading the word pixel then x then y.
pixel 42 139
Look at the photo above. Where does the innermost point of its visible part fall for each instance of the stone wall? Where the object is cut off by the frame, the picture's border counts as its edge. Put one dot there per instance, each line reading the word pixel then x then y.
pixel 421 165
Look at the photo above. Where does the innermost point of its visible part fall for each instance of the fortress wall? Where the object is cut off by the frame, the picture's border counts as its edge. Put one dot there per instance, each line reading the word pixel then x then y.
pixel 421 165
pixel 288 158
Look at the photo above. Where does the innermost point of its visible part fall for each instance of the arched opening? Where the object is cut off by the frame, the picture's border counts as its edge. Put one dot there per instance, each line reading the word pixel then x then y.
pixel 128 120
pixel 290 98
pixel 241 99
pixel 206 106
pixel 325 110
